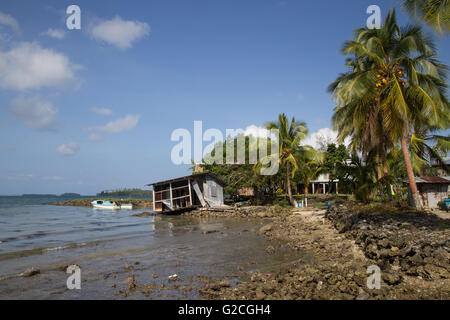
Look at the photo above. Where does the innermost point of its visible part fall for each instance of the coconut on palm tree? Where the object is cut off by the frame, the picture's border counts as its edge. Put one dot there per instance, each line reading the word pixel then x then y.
pixel 398 81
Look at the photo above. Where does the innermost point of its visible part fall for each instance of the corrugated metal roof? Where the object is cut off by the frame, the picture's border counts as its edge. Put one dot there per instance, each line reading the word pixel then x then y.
pixel 432 180
pixel 187 177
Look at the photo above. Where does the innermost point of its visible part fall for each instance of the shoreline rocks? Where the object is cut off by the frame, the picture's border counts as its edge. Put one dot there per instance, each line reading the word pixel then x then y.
pixel 415 243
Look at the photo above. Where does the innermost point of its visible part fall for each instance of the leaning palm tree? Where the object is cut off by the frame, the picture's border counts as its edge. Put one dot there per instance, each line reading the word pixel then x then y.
pixel 436 13
pixel 402 81
pixel 290 136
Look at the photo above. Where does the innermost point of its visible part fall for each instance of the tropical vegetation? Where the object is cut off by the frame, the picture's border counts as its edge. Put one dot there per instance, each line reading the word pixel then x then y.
pixel 392 107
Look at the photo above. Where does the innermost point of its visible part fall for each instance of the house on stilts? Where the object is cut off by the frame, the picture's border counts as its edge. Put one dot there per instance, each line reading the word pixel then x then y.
pixel 186 193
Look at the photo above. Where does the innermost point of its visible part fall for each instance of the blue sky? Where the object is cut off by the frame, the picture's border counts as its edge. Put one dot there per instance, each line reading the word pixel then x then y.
pixel 95 108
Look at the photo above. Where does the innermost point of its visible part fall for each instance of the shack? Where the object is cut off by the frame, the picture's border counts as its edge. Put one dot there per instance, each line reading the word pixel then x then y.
pixel 247 193
pixel 186 193
pixel 432 190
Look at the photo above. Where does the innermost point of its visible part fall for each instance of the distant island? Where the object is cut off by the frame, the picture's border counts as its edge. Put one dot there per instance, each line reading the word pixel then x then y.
pixel 30 195
pixel 125 193
pixel 69 194
pixel 37 195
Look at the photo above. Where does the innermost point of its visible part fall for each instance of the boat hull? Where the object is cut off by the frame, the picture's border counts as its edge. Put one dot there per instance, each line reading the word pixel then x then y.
pixel 99 206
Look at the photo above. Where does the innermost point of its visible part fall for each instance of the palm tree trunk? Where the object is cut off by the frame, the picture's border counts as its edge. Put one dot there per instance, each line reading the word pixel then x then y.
pixel 409 170
pixel 386 173
pixel 379 175
pixel 288 184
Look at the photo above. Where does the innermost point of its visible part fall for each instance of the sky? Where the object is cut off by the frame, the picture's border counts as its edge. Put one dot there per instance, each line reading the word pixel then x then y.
pixel 94 109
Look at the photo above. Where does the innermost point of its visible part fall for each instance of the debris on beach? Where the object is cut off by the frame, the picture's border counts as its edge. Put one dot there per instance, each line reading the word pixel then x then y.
pixel 144 214
pixel 30 272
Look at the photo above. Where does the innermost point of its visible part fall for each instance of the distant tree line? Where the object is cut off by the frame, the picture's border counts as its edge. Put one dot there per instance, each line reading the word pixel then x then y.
pixel 135 192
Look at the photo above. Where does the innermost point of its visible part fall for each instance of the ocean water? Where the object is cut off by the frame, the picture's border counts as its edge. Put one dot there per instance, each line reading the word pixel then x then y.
pixel 45 237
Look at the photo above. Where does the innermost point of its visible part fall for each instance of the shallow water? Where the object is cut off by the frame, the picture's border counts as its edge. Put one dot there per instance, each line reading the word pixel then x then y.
pixel 102 242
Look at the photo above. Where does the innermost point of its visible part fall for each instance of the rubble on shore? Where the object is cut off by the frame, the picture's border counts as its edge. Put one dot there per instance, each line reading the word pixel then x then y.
pixel 416 243
pixel 339 246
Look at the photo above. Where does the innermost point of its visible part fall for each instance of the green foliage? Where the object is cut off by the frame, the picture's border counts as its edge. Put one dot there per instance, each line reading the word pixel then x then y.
pixel 125 193
pixel 335 158
pixel 436 13
pixel 362 177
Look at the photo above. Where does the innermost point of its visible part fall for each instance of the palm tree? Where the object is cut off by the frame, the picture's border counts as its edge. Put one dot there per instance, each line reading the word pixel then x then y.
pixel 361 176
pixel 424 154
pixel 436 13
pixel 401 81
pixel 311 163
pixel 290 136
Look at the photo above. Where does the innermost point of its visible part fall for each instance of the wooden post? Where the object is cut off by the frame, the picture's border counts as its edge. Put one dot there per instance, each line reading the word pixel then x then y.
pixel 171 200
pixel 154 205
pixel 313 187
pixel 337 192
pixel 324 188
pixel 190 192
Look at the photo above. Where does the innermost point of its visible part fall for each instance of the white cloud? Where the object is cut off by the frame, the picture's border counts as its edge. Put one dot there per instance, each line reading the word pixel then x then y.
pixel 321 138
pixel 52 178
pixel 101 111
pixel 29 66
pixel 34 112
pixel 68 149
pixel 55 33
pixel 94 137
pixel 20 177
pixel 120 33
pixel 258 132
pixel 127 123
pixel 9 21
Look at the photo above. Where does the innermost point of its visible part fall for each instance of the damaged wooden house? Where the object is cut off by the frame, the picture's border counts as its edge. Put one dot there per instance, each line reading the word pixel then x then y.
pixel 186 193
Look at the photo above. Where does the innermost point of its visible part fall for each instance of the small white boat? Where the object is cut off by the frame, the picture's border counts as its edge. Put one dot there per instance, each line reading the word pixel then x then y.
pixel 111 205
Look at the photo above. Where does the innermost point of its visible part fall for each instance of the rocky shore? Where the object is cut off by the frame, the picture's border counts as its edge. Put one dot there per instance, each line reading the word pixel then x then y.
pixel 415 243
pixel 334 249
pixel 241 212
pixel 339 244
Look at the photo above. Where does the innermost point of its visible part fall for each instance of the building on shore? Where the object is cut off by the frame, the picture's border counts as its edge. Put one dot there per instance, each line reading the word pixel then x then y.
pixel 186 193
pixel 320 185
pixel 432 190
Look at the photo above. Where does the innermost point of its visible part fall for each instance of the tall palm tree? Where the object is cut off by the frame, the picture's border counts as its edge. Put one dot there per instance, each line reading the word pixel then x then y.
pixel 436 13
pixel 401 81
pixel 290 135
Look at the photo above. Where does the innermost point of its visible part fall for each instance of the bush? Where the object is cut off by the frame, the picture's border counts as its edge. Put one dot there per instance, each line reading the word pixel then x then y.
pixel 283 203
